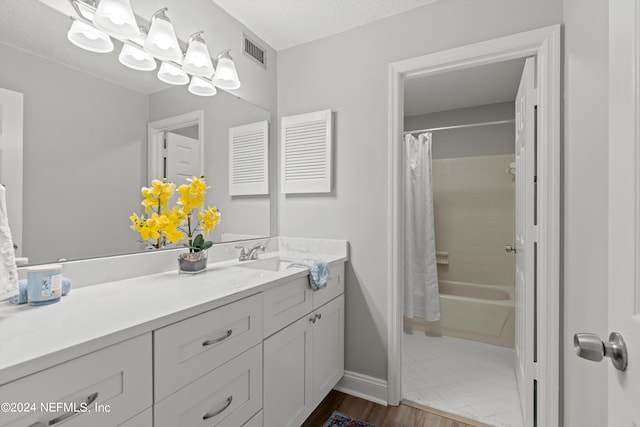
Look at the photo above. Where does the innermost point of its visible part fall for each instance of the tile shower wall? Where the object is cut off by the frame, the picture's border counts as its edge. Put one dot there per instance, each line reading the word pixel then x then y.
pixel 474 218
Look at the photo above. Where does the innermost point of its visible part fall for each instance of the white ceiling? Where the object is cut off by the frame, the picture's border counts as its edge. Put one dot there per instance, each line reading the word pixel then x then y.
pixel 286 23
pixel 471 87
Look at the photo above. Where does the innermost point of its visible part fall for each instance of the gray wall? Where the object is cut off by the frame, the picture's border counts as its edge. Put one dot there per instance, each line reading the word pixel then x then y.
pixel 468 142
pixel 585 204
pixel 348 73
pixel 240 214
pixel 84 160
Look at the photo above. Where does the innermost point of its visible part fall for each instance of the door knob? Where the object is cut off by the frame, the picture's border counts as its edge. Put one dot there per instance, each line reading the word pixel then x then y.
pixel 590 347
pixel 510 248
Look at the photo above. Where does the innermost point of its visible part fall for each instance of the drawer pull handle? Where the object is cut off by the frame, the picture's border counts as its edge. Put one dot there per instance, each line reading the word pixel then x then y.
pixel 219 411
pixel 217 340
pixel 88 401
pixel 312 319
pixel 319 316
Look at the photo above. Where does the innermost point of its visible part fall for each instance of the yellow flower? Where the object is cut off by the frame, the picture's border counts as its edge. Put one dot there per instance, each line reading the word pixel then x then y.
pixel 209 219
pixel 192 195
pixel 158 195
pixel 176 223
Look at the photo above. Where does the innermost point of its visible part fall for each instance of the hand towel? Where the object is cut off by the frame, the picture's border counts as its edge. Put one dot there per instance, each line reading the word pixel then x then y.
pixel 319 272
pixel 21 298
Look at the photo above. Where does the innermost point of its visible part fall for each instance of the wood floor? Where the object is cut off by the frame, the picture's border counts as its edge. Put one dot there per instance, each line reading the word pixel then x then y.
pixel 378 415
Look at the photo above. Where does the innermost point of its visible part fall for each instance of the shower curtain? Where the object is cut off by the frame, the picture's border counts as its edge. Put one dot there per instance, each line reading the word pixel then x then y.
pixel 421 294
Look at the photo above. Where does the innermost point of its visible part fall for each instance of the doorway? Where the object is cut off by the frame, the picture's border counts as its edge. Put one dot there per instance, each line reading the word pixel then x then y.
pixel 462 361
pixel 176 147
pixel 544 46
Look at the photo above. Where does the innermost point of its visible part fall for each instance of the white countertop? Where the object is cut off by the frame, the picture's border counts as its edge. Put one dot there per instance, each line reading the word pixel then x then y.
pixel 93 317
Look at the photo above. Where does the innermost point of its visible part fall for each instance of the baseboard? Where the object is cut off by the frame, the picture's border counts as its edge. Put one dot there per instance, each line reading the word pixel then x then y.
pixel 364 387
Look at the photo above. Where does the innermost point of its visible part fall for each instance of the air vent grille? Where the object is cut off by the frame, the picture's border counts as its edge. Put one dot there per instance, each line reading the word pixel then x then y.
pixel 306 153
pixel 248 157
pixel 252 50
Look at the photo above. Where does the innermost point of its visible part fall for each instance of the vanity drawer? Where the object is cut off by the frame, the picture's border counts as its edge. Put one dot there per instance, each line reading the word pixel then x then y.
pixel 335 287
pixel 108 387
pixel 285 304
pixel 256 421
pixel 143 419
pixel 228 396
pixel 187 350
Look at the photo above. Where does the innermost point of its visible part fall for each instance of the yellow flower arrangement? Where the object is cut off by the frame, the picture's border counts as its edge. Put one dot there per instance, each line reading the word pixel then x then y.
pixel 182 221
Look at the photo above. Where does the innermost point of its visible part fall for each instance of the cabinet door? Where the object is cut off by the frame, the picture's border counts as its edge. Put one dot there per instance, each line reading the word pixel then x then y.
pixel 287 375
pixel 328 348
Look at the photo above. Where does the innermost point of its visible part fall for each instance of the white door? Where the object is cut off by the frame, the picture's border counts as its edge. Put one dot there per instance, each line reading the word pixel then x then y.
pixel 11 117
pixel 624 208
pixel 287 400
pixel 525 239
pixel 182 158
pixel 328 348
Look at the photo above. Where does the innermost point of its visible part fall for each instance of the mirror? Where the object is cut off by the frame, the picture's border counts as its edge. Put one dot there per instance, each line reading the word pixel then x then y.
pixel 85 142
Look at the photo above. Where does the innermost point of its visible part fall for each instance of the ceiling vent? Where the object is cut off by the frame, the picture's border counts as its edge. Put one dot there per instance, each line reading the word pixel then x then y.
pixel 255 52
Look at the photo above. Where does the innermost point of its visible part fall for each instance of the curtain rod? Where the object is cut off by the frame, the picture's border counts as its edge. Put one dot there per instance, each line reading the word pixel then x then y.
pixel 470 125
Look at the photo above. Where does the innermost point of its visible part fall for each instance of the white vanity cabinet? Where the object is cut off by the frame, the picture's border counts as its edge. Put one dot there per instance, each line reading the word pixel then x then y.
pixel 101 389
pixel 305 360
pixel 262 356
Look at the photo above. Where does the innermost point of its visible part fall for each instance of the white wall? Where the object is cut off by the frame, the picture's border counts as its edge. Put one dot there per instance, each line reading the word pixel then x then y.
pixel 84 160
pixel 466 142
pixel 249 215
pixel 585 205
pixel 348 73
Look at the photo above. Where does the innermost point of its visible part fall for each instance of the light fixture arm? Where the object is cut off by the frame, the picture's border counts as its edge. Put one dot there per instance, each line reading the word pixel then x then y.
pixel 197 36
pixel 161 14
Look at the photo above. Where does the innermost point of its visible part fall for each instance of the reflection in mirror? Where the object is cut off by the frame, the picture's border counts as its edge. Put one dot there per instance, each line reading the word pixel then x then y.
pixel 85 142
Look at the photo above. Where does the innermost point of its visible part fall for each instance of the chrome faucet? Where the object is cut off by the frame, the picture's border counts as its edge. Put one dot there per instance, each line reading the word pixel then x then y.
pixel 251 253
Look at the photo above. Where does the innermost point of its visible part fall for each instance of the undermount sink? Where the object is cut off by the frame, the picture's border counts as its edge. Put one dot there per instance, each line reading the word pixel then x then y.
pixel 271 264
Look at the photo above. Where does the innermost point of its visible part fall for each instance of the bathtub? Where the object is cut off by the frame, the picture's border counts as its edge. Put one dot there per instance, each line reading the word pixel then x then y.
pixel 470 311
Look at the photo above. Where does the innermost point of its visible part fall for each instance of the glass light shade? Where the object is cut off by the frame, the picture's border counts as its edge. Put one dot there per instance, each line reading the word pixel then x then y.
pixel 226 76
pixel 161 41
pixel 116 18
pixel 89 38
pixel 197 61
pixel 201 87
pixel 136 58
pixel 173 75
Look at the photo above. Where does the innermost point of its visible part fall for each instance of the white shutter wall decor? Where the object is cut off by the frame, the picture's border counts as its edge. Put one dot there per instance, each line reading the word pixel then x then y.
pixel 248 159
pixel 306 153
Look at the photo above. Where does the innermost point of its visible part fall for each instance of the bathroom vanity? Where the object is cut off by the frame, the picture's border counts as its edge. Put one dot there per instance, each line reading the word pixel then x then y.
pixel 242 344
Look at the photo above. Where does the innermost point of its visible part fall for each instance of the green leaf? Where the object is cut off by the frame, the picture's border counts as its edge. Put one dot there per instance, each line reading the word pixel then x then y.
pixel 198 241
pixel 207 244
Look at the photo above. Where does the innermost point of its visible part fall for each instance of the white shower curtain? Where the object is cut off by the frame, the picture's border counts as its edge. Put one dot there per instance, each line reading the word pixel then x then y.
pixel 421 295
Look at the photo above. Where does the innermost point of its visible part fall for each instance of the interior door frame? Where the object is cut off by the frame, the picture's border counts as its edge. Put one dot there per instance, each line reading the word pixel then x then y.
pixel 545 45
pixel 155 143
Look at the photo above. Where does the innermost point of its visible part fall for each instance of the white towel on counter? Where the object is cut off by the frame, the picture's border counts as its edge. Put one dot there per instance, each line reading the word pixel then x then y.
pixel 8 268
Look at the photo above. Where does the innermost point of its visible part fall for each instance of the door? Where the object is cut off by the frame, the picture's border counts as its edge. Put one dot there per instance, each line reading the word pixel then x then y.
pixel 11 118
pixel 287 375
pixel 525 239
pixel 624 208
pixel 182 158
pixel 328 348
